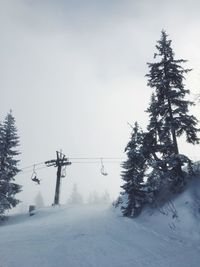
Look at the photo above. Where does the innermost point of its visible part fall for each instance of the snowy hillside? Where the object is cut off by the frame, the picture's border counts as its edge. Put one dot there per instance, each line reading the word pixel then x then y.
pixel 179 217
pixel 96 236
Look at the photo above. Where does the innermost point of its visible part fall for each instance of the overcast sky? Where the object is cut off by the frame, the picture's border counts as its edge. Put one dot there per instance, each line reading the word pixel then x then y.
pixel 73 72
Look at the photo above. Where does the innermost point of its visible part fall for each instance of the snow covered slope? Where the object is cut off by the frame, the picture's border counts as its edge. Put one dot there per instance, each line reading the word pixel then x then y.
pixel 180 217
pixel 96 236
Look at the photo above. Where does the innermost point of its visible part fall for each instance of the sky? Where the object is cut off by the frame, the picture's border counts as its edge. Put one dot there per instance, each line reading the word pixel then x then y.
pixel 73 72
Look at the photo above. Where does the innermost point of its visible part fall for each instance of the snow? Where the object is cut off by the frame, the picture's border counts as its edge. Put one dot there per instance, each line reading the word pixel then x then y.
pixel 96 236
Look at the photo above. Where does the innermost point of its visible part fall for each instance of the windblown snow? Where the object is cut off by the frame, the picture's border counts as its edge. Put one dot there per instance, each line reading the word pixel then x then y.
pixel 96 236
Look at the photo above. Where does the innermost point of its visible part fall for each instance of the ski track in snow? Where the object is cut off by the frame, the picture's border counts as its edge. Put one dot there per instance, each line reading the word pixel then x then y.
pixel 89 237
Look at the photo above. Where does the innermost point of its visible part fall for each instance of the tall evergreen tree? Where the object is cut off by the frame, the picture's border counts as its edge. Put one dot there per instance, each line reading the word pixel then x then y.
pixel 75 197
pixel 154 155
pixel 9 142
pixel 168 111
pixel 105 198
pixel 39 201
pixel 162 139
pixel 132 199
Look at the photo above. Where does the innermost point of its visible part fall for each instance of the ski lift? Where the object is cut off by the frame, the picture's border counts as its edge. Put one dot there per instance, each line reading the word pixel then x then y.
pixel 103 172
pixel 34 176
pixel 63 174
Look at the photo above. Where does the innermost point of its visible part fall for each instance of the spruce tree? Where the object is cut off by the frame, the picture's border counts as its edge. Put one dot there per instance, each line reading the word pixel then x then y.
pixel 133 196
pixel 75 197
pixel 153 156
pixel 39 201
pixel 169 110
pixel 9 142
pixel 105 198
pixel 162 139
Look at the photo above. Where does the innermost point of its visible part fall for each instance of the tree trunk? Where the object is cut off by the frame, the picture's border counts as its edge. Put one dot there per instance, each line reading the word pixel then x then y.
pixel 173 132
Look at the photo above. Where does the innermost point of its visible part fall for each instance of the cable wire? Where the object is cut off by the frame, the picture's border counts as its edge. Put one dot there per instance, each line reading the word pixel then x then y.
pixel 91 161
pixel 29 171
pixel 31 166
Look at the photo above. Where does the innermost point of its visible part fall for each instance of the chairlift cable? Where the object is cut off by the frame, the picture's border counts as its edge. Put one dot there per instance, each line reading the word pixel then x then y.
pixel 96 158
pixel 95 162
pixel 31 166
pixel 29 171
pixel 74 162
pixel 91 161
pixel 86 158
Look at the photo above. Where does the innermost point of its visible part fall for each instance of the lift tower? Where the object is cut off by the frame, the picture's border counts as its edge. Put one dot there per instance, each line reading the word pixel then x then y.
pixel 59 162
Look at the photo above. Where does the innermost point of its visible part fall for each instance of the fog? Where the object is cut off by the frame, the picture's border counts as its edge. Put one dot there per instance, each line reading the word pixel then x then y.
pixel 73 72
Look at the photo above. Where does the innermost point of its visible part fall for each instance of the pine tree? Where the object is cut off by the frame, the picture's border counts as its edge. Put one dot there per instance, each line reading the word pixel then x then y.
pixel 168 111
pixel 133 197
pixel 154 155
pixel 105 198
pixel 39 201
pixel 9 142
pixel 94 198
pixel 162 139
pixel 75 197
